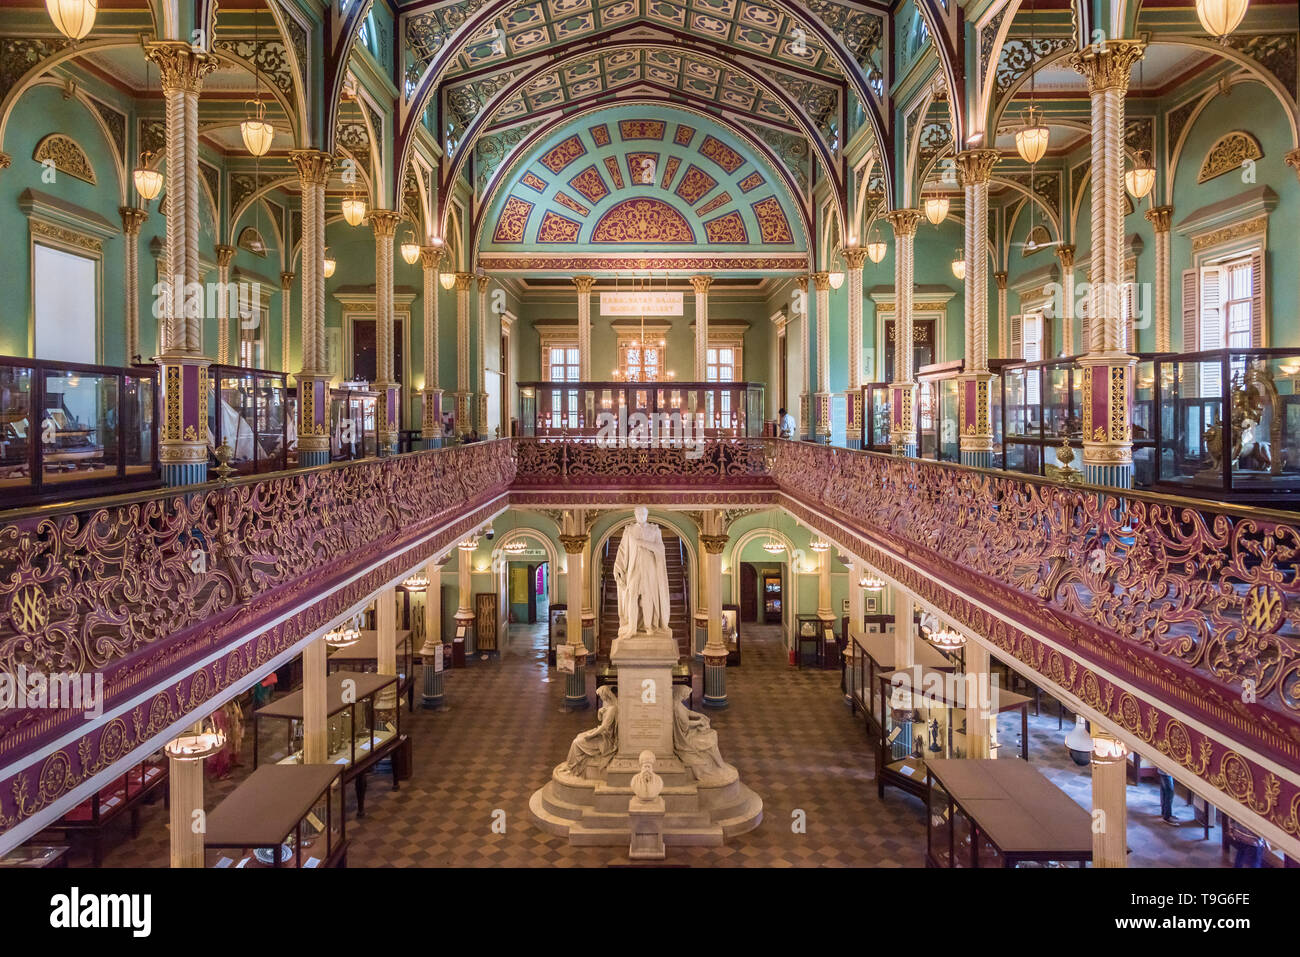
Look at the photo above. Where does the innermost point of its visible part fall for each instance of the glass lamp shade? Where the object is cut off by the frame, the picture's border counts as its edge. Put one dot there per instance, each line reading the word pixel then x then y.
pixel 256 130
pixel 1141 177
pixel 1219 17
pixel 947 639
pixel 836 279
pixel 468 545
pixel 330 265
pixel 354 210
pixel 343 636
pixel 75 18
pixel 516 546
pixel 410 251
pixel 876 251
pixel 959 267
pixel 774 547
pixel 447 279
pixel 201 741
pixel 1079 742
pixel 936 209
pixel 148 181
pixel 1031 139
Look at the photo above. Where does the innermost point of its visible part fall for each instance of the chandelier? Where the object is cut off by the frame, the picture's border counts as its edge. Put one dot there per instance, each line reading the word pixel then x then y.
pixel 354 209
pixel 959 265
pixel 516 546
pixel 344 635
pixel 468 545
pixel 936 208
pixel 256 129
pixel 946 638
pixel 329 264
pixel 1032 138
pixel 74 18
pixel 410 248
pixel 871 582
pixel 148 181
pixel 1219 17
pixel 774 546
pixel 635 367
pixel 876 250
pixel 203 740
pixel 416 582
pixel 819 545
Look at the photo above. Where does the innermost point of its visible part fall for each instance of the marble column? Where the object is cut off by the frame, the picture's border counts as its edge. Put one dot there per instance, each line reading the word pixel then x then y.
pixel 182 446
pixel 1004 320
pixel 462 395
pixel 904 611
pixel 1107 367
pixel 822 288
pixel 286 320
pixel 386 645
pixel 431 419
pixel 701 285
pixel 315 730
pixel 430 652
pixel 853 261
pixel 806 425
pixel 979 702
pixel 225 255
pixel 1161 218
pixel 902 403
pixel 132 219
pixel 1109 800
pixel 975 414
pixel 313 380
pixel 1065 256
pixel 575 544
pixel 465 598
pixel 585 284
pixel 480 394
pixel 714 540
pixel 384 224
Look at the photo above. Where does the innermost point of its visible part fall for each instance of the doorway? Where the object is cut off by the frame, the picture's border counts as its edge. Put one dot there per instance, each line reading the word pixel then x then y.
pixel 924 346
pixel 748 592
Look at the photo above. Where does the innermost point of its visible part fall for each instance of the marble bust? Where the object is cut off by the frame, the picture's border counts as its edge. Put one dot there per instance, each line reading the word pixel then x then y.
pixel 641 577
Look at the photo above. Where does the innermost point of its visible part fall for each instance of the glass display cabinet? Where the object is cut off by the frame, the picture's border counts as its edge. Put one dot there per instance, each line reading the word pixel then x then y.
pixel 987 813
pixel 556 629
pixel 873 656
pixel 875 420
pixel 1227 424
pixel 69 429
pixel 731 633
pixel 354 424
pixel 921 723
pixel 809 633
pixel 281 816
pixel 937 413
pixel 363 657
pixel 358 733
pixel 248 411
pixel 122 795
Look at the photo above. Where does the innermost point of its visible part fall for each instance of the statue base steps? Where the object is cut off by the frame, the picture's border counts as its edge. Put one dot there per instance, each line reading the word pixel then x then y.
pixel 594 811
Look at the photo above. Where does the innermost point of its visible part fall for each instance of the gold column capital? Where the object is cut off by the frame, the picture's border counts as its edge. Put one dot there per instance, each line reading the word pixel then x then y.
pixel 1292 159
pixel 286 279
pixel 975 166
pixel 714 544
pixel 821 281
pixel 585 284
pixel 1162 217
pixel 1064 253
pixel 133 217
pixel 701 284
pixel 1106 65
pixel 181 68
pixel 854 257
pixel 430 257
pixel 904 221
pixel 801 282
pixel 574 544
pixel 313 166
pixel 224 255
pixel 1001 279
pixel 463 281
pixel 483 282
pixel 384 222
pixel 5 160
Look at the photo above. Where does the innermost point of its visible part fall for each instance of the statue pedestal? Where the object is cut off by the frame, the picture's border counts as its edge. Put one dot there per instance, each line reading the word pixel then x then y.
pixel 646 822
pixel 645 692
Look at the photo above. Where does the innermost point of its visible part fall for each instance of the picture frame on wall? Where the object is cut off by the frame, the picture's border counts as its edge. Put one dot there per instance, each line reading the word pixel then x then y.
pixel 844 607
pixel 872 605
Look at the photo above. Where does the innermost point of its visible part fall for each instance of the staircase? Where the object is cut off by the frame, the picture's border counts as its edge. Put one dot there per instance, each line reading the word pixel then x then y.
pixel 679 618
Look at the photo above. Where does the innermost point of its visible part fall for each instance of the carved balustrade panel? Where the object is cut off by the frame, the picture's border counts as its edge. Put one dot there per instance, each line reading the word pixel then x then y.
pixel 546 463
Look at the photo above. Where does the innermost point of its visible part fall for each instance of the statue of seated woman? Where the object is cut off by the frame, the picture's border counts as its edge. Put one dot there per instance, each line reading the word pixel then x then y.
pixel 695 741
pixel 593 749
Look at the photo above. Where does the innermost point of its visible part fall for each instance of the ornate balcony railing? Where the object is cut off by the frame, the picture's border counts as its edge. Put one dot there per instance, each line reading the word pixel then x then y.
pixel 586 463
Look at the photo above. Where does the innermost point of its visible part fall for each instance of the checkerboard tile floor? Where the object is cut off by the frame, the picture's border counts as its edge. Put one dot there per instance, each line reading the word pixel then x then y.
pixel 786 730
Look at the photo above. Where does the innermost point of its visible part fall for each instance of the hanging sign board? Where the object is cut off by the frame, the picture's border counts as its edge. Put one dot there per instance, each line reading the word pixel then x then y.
pixel 641 302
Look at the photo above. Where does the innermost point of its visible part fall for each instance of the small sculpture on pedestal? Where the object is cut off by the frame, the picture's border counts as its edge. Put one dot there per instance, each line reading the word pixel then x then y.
pixel 646 811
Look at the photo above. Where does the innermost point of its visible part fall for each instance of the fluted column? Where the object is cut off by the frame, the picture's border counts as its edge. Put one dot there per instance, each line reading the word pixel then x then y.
pixel 465 597
pixel 480 392
pixel 902 404
pixel 184 798
pixel 701 285
pixel 132 219
pixel 183 447
pixel 286 320
pixel 975 414
pixel 315 724
pixel 431 420
pixel 853 261
pixel 1109 800
pixel 384 224
pixel 806 425
pixel 585 284
pixel 225 255
pixel 1065 256
pixel 575 544
pixel 431 652
pixel 313 381
pixel 822 403
pixel 979 711
pixel 714 540
pixel 1161 218
pixel 1004 321
pixel 1106 365
pixel 462 395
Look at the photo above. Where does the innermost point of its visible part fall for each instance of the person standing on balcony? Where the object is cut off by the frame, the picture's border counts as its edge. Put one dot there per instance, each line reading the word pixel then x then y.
pixel 787 424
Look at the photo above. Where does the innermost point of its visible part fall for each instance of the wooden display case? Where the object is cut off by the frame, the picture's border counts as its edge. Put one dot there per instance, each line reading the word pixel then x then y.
pixel 873 656
pixel 988 813
pixel 282 815
pixel 556 629
pixel 358 738
pixel 122 795
pixel 364 657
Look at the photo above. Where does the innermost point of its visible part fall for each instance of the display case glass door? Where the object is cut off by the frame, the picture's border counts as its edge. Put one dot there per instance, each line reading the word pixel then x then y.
pixel 923 346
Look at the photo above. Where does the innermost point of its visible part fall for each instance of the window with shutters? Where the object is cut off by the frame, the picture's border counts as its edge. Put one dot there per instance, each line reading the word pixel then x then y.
pixel 563 366
pixel 1031 331
pixel 1227 302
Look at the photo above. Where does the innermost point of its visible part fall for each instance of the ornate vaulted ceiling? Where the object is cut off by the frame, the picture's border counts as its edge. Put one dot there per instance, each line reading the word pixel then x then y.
pixel 646 185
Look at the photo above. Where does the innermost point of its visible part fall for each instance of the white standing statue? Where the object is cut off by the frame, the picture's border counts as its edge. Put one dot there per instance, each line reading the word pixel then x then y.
pixel 641 574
